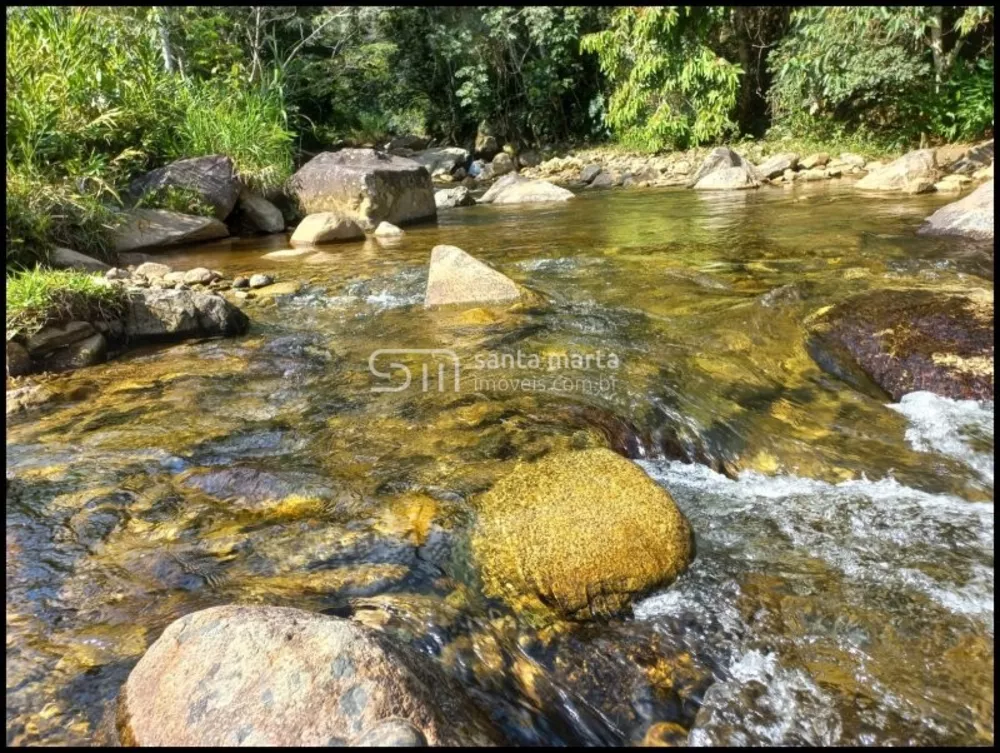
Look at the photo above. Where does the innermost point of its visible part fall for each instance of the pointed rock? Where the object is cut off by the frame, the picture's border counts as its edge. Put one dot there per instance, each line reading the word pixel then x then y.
pixel 457 277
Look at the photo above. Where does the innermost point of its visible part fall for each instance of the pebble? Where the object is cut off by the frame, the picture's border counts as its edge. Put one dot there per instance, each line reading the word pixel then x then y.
pixel 260 280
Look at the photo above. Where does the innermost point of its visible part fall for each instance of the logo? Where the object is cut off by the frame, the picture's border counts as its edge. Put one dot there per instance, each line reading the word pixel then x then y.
pixel 437 357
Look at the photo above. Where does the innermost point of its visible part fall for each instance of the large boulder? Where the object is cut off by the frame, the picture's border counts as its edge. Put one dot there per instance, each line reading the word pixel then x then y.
pixel 442 160
pixel 502 164
pixel 976 158
pixel 499 187
pixel 412 142
pixel 276 676
pixel 914 172
pixel 909 340
pixel 776 165
pixel 86 352
pixel 176 314
pixel 579 534
pixel 212 177
pixel 531 192
pixel 55 336
pixel 67 258
pixel 261 213
pixel 150 228
pixel 486 142
pixel 366 186
pixel 326 227
pixel 971 217
pixel 724 169
pixel 457 277
pixel 460 196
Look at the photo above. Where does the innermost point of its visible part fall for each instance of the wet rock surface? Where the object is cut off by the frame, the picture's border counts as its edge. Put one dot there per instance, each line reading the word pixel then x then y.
pixel 909 340
pixel 211 679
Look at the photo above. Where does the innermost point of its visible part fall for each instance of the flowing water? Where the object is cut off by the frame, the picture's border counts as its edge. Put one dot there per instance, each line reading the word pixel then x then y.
pixel 843 589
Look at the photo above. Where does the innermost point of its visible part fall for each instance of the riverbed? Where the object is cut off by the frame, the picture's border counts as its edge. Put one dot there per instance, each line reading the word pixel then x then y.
pixel 843 587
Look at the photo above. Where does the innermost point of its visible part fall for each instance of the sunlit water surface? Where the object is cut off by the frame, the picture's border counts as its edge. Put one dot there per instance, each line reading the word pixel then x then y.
pixel 843 590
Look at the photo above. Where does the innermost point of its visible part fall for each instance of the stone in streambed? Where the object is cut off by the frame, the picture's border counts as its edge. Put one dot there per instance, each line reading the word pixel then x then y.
pixel 724 169
pixel 387 230
pixel 579 534
pixel 256 675
pixel 51 337
pixel 146 228
pixel 529 192
pixel 196 276
pixel 260 280
pixel 18 360
pixel 448 198
pixel 456 277
pixel 261 213
pixel 86 352
pixel 775 166
pixel 212 177
pixel 914 172
pixel 175 314
pixel 326 227
pixel 67 258
pixel 971 217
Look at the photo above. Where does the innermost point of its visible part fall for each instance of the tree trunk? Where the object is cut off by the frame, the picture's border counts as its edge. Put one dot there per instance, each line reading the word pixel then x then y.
pixel 168 54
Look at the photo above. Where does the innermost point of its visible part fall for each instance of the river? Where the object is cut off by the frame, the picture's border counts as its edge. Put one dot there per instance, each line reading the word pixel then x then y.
pixel 843 587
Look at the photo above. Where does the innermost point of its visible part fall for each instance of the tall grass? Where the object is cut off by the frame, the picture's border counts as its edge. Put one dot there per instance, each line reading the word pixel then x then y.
pixel 37 297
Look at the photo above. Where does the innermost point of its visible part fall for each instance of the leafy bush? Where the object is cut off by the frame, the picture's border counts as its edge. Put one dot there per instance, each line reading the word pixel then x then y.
pixel 176 199
pixel 39 297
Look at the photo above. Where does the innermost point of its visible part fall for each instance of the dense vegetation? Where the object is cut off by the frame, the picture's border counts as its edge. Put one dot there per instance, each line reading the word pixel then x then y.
pixel 96 95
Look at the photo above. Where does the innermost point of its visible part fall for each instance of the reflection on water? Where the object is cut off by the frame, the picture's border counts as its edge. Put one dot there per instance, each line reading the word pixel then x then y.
pixel 844 585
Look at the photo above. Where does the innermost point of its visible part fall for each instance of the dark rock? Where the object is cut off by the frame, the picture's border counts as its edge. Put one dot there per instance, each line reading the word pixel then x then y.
pixel 977 157
pixel 909 340
pixel 589 172
pixel 49 338
pixel 175 314
pixel 18 360
pixel 213 177
pixel 87 352
pixel 261 213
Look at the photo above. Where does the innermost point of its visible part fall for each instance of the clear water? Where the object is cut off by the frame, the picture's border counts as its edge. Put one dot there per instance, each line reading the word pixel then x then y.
pixel 843 590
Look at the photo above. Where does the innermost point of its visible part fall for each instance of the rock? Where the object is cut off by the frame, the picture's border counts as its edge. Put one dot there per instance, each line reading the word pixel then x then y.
pixel 776 165
pixel 152 270
pixel 985 174
pixel 952 183
pixel 18 360
pixel 914 172
pixel 392 733
pixel 814 174
pixel 388 230
pixel 87 352
pixel 971 217
pixel 589 172
pixel 117 273
pixel 854 160
pixel 602 180
pixel 580 534
pixel 289 287
pixel 909 340
pixel 725 169
pixel 260 280
pixel 502 164
pixel 326 227
pixel 486 143
pixel 365 186
pixel 212 177
pixel 212 679
pixel 255 490
pixel 175 314
pixel 529 159
pixel 459 174
pixel 51 337
pixel 196 276
pixel 261 213
pixel 448 198
pixel 974 159
pixel 457 277
pixel 819 159
pixel 531 192
pixel 29 396
pixel 443 160
pixel 67 258
pixel 241 282
pixel 497 188
pixel 789 176
pixel 146 228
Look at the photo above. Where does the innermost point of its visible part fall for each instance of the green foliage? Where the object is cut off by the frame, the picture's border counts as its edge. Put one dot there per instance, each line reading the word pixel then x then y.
pixel 38 297
pixel 669 88
pixel 176 199
pixel 43 214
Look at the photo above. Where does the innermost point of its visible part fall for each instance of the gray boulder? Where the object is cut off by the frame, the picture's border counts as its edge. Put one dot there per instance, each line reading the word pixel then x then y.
pixel 447 198
pixel 971 217
pixel 149 228
pixel 86 352
pixel 914 172
pixel 18 360
pixel 176 314
pixel 67 258
pixel 502 164
pixel 589 172
pixel 724 169
pixel 326 227
pixel 261 213
pixel 366 186
pixel 213 679
pixel 499 186
pixel 532 192
pixel 212 177
pixel 978 157
pixel 54 336
pixel 442 160
pixel 776 165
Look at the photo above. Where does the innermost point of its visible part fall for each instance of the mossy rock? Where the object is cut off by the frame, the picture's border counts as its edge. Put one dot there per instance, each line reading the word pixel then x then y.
pixel 578 534
pixel 909 340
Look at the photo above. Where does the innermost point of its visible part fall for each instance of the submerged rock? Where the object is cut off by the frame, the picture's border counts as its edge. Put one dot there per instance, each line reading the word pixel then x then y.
pixel 245 675
pixel 971 217
pixel 909 340
pixel 457 277
pixel 326 227
pixel 366 186
pixel 579 533
pixel 725 169
pixel 146 228
pixel 914 172
pixel 212 177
